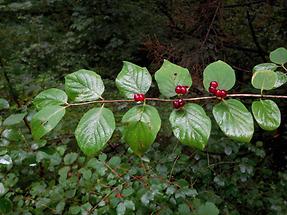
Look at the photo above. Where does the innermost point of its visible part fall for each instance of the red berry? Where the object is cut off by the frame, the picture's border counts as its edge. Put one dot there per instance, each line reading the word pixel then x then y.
pixel 178 89
pixel 212 90
pixel 223 93
pixel 178 103
pixel 183 90
pixel 218 93
pixel 119 195
pixel 181 102
pixel 213 84
pixel 139 97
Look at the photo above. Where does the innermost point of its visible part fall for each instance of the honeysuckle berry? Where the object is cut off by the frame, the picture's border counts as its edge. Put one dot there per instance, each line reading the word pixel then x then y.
pixel 212 90
pixel 139 97
pixel 213 84
pixel 221 93
pixel 181 89
pixel 178 103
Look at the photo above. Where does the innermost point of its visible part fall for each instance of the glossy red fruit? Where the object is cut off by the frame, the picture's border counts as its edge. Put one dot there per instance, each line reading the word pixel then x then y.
pixel 178 103
pixel 119 195
pixel 181 102
pixel 213 84
pixel 139 97
pixel 223 93
pixel 183 90
pixel 212 90
pixel 178 89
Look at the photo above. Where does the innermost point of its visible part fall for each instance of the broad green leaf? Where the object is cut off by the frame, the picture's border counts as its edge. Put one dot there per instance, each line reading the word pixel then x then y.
pixel 4 104
pixel 14 119
pixel 70 158
pixel 2 189
pixel 234 120
pixel 84 85
pixel 264 67
pixel 51 96
pixel 171 75
pixel 140 127
pixel 281 78
pixel 208 209
pixel 266 114
pixel 94 130
pixel 221 72
pixel 5 205
pixel 264 80
pixel 279 56
pixel 121 208
pixel 191 125
pixel 133 79
pixel 45 120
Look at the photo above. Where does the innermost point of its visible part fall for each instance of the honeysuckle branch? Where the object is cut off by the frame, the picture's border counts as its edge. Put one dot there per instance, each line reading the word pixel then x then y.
pixel 237 95
pixel 284 67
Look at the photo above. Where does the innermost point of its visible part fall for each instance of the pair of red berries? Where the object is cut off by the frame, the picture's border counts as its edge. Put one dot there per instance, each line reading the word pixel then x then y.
pixel 181 89
pixel 139 97
pixel 178 103
pixel 213 89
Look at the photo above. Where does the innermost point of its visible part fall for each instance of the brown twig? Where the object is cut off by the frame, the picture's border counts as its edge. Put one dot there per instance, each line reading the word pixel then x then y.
pixel 247 95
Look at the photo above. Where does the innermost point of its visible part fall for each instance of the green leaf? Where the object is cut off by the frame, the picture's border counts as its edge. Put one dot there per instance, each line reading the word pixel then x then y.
pixel 279 56
pixel 208 209
pixel 94 130
pixel 264 67
pixel 183 209
pixel 70 158
pixel 4 104
pixel 234 120
pixel 171 75
pixel 2 189
pixel 264 80
pixel 84 85
pixel 45 120
pixel 266 114
pixel 130 204
pixel 191 125
pixel 5 205
pixel 140 127
pixel 133 79
pixel 281 78
pixel 51 96
pixel 221 72
pixel 14 119
pixel 121 209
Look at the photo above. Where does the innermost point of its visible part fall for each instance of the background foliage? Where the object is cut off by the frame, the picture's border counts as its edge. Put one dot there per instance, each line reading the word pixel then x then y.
pixel 41 41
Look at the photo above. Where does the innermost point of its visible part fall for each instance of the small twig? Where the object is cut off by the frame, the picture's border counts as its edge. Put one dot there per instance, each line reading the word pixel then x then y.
pixel 223 162
pixel 186 99
pixel 172 168
pixel 209 28
pixel 284 67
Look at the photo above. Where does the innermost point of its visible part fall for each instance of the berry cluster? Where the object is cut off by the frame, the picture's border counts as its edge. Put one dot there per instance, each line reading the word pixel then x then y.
pixel 181 89
pixel 139 97
pixel 213 89
pixel 178 103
